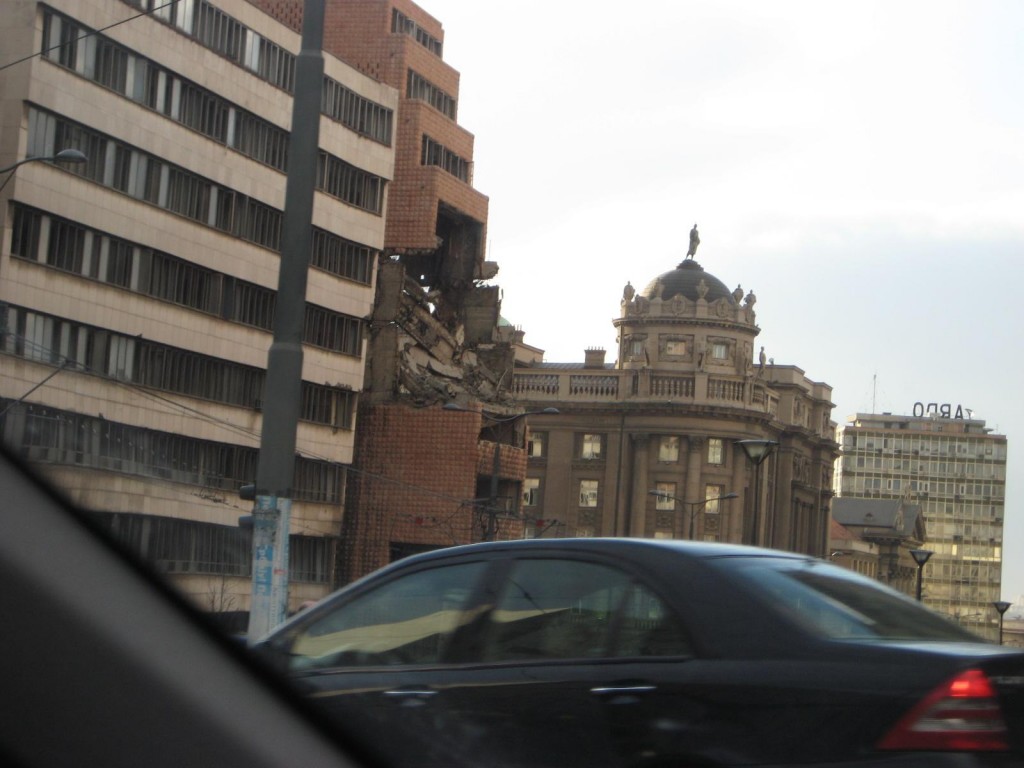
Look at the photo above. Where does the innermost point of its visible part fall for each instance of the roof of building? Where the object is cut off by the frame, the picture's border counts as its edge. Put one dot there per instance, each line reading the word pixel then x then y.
pixel 839 531
pixel 684 281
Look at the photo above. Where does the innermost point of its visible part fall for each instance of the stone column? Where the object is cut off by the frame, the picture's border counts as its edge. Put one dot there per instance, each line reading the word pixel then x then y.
pixel 694 487
pixel 733 532
pixel 781 520
pixel 638 500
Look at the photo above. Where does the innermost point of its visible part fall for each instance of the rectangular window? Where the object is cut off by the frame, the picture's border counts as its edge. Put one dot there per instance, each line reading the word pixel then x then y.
pixel 333 330
pixel 720 350
pixel 111 65
pixel 437 154
pixel 535 445
pixel 712 494
pixel 418 87
pixel 341 257
pixel 350 184
pixel 363 116
pixel 665 496
pixel 588 493
pixel 674 348
pixel 715 452
pixel 403 25
pixel 668 448
pixel 590 447
pixel 531 491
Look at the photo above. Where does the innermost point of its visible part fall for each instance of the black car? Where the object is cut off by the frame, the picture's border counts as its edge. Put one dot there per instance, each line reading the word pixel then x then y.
pixel 626 652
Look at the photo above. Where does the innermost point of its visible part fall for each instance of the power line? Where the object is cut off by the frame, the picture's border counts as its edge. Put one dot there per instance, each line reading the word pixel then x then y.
pixel 89 34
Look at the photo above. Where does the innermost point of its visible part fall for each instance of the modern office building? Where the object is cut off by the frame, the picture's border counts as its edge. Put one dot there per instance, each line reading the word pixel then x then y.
pixel 652 444
pixel 954 468
pixel 434 335
pixel 137 288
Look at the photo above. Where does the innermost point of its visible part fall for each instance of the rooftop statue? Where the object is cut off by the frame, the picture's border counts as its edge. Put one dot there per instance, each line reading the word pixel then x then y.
pixel 694 242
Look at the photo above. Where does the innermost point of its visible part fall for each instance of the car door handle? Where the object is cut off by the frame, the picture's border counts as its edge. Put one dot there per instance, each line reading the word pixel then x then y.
pixel 615 690
pixel 411 693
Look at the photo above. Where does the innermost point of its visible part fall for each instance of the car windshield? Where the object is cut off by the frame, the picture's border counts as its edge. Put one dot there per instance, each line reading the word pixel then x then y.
pixel 834 603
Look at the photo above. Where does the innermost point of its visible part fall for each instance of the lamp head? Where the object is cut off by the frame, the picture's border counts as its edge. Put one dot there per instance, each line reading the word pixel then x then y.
pixel 921 556
pixel 70 156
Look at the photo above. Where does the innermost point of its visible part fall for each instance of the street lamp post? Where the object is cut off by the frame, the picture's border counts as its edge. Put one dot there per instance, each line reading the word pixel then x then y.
pixel 757 451
pixel 921 557
pixel 491 528
pixel 282 390
pixel 1002 606
pixel 691 506
pixel 72 156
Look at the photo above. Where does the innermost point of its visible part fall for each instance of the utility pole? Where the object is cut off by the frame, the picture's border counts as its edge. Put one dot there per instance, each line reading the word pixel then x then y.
pixel 283 389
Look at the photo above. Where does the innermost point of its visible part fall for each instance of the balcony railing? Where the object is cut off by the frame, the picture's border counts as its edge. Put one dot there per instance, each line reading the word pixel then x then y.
pixel 620 385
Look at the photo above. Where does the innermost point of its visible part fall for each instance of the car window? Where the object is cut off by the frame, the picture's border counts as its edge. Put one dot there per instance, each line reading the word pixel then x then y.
pixel 407 621
pixel 837 604
pixel 562 609
pixel 554 609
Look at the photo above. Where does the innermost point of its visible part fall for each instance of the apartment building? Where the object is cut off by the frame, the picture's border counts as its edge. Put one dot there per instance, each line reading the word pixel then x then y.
pixel 137 288
pixel 652 445
pixel 953 467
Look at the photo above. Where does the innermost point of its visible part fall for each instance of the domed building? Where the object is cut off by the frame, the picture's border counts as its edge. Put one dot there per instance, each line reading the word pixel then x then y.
pixel 656 443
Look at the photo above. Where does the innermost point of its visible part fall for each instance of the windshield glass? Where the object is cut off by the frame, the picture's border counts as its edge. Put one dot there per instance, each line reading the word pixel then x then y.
pixel 835 603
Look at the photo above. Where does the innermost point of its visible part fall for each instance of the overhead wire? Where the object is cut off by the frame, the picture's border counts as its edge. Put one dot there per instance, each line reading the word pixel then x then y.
pixel 150 12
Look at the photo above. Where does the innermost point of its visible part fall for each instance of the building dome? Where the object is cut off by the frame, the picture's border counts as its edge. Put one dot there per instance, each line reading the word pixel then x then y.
pixel 684 281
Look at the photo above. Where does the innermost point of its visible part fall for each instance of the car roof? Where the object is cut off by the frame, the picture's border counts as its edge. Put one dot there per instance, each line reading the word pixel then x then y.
pixel 700 550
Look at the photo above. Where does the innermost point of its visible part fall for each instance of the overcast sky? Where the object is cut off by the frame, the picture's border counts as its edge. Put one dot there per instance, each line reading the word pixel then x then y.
pixel 858 165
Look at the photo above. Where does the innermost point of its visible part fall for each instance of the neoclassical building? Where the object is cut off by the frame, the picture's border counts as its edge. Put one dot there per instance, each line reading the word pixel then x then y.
pixel 649 444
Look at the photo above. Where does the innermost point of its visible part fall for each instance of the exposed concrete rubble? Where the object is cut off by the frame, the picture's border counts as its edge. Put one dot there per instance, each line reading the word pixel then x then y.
pixel 426 350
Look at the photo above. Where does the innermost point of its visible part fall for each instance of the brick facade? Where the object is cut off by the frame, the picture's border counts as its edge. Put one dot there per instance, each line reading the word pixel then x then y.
pixel 416 486
pixel 424 202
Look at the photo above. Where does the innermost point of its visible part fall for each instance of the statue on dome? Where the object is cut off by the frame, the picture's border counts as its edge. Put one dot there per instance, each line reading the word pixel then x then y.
pixel 737 294
pixel 694 242
pixel 628 292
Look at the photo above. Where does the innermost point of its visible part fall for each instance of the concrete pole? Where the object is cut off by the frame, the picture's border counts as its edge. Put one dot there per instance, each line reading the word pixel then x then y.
pixel 283 392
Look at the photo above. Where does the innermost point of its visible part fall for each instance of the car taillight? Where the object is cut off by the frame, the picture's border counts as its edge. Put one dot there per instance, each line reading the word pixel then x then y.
pixel 962 714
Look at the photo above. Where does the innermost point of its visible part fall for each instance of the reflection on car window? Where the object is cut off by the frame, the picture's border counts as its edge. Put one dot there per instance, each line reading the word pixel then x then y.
pixel 406 621
pixel 554 609
pixel 564 609
pixel 837 604
pixel 646 628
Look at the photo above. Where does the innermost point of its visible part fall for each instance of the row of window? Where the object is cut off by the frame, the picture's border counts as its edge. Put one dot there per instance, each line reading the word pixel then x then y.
pixel 437 154
pixel 190 546
pixel 925 445
pixel 67 246
pixel 49 435
pixel 219 32
pixel 674 347
pixel 980 490
pixel 590 447
pixel 403 25
pixel 418 87
pixel 151 179
pixel 36 336
pixel 916 466
pixel 153 86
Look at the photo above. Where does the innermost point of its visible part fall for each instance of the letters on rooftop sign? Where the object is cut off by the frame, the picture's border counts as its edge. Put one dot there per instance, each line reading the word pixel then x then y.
pixel 943 410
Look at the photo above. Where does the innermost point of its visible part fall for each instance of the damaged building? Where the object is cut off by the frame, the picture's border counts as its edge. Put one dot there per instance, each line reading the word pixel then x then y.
pixel 434 336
